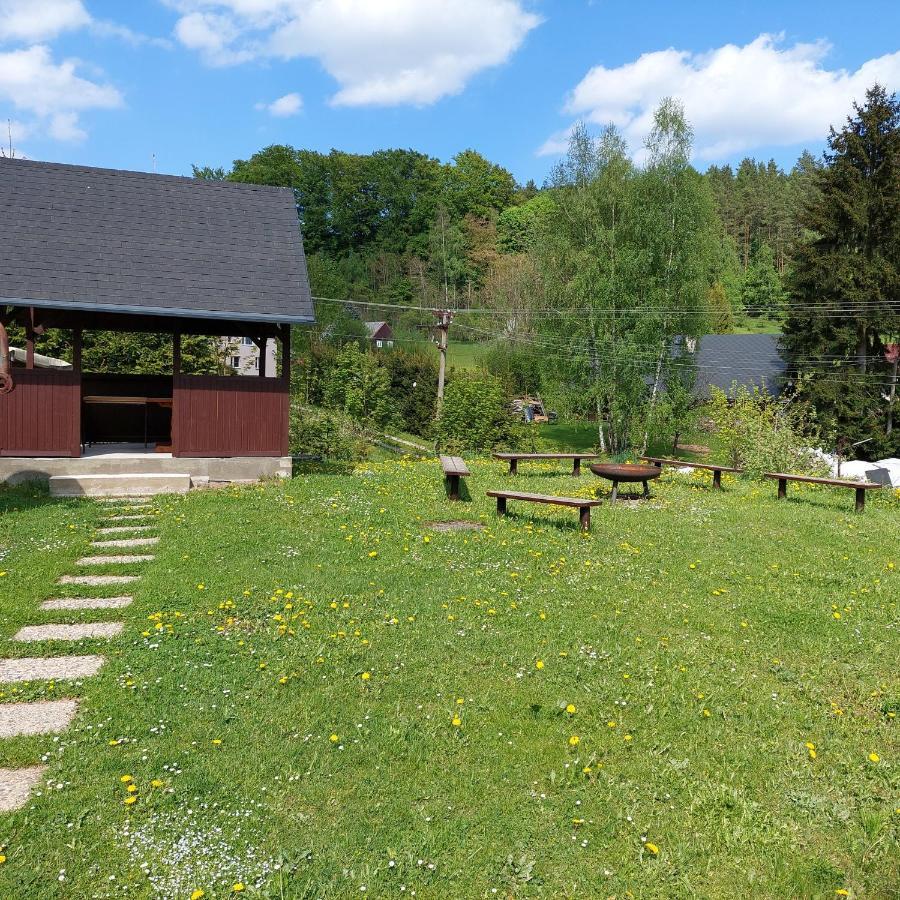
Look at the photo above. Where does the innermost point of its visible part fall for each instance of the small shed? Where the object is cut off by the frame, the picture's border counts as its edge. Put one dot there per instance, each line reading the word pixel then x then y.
pixel 380 334
pixel 749 360
pixel 100 249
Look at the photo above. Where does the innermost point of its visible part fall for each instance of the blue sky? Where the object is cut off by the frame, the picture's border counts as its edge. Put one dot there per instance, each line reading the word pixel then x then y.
pixel 207 81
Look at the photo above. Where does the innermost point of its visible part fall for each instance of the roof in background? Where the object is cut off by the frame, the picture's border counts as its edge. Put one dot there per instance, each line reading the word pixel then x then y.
pixel 748 359
pixel 133 242
pixel 374 327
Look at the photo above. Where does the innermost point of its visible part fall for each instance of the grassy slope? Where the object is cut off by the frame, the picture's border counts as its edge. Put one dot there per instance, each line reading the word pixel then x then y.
pixel 693 603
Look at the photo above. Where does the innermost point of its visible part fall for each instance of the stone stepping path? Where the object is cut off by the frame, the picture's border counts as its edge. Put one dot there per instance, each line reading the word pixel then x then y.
pixel 16 786
pixel 128 518
pixel 49 668
pixel 127 542
pixel 111 560
pixel 39 717
pixel 124 529
pixel 87 603
pixel 69 632
pixel 97 580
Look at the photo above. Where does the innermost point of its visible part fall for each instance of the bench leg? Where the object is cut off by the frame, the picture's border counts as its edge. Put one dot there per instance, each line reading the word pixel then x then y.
pixel 782 488
pixel 453 484
pixel 646 489
pixel 615 492
pixel 860 499
pixel 584 513
pixel 576 467
pixel 513 467
pixel 501 506
pixel 717 479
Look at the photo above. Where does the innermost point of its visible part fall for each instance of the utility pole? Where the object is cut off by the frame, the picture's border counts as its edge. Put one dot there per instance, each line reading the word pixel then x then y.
pixel 444 317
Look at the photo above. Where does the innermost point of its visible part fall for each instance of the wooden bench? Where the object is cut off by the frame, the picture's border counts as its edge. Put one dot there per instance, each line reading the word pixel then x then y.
pixel 580 503
pixel 859 486
pixel 660 461
pixel 454 468
pixel 513 459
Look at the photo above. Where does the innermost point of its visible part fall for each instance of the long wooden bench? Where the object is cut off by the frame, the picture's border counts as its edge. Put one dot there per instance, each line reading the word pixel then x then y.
pixel 859 486
pixel 454 468
pixel 513 459
pixel 580 503
pixel 660 461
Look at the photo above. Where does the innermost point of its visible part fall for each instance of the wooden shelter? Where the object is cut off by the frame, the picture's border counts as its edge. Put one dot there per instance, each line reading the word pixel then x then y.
pixel 89 249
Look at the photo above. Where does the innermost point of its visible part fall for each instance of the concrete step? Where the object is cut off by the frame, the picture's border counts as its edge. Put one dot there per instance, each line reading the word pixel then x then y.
pixel 136 484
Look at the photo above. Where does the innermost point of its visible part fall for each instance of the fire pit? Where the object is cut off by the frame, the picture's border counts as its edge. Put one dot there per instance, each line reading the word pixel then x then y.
pixel 624 473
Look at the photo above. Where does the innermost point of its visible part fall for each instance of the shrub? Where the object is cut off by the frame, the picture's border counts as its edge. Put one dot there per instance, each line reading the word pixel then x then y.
pixel 761 434
pixel 475 416
pixel 359 386
pixel 326 433
pixel 413 386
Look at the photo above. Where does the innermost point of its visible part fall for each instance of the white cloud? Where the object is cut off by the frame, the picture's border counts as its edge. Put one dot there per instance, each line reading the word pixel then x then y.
pixel 384 53
pixel 53 93
pixel 37 20
pixel 288 105
pixel 736 98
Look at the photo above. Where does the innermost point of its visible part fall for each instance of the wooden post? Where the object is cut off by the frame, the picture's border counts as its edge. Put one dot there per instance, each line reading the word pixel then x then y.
pixel 584 513
pixel 286 354
pixel 29 339
pixel 576 468
pixel 501 506
pixel 261 343
pixel 453 484
pixel 176 353
pixel 615 492
pixel 77 335
pixel 782 488
pixel 717 479
pixel 513 466
pixel 646 489
pixel 445 317
pixel 860 499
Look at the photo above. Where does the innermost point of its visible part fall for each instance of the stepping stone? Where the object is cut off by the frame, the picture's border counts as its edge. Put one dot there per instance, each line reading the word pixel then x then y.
pixel 87 603
pixel 97 580
pixel 40 717
pixel 126 518
pixel 68 632
pixel 124 529
pixel 16 786
pixel 127 542
pixel 49 668
pixel 110 560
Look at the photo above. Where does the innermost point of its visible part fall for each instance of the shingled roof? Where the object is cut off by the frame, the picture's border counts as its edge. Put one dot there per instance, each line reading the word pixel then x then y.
pixel 105 240
pixel 751 360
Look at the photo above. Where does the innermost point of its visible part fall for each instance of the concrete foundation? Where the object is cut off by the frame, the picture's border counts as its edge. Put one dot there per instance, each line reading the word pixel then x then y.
pixel 202 471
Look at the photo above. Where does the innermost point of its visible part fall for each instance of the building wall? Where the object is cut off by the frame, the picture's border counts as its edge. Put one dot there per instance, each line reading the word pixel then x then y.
pixel 242 355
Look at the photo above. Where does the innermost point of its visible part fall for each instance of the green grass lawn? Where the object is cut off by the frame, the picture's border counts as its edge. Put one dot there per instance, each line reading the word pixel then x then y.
pixel 316 695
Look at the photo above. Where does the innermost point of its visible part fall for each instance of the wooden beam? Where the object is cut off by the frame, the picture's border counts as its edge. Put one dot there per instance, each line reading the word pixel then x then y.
pixel 286 354
pixel 77 335
pixel 261 346
pixel 29 339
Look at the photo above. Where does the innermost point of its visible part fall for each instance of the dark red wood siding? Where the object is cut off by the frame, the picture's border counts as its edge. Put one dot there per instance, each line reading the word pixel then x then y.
pixel 229 416
pixel 41 416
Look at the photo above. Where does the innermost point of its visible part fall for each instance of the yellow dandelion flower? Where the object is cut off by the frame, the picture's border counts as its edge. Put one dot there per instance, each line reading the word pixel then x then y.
pixel 570 709
pixel 457 721
pixel 574 741
pixel 373 554
pixel 130 799
pixel 2 857
pixel 874 757
pixel 125 779
pixel 651 848
pixel 217 741
pixel 237 887
pixel 539 664
pixel 157 783
pixel 196 895
pixel 366 676
pixel 334 738
pixel 132 788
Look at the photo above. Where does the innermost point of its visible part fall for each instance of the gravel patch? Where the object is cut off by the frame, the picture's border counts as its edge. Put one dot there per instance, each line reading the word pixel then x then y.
pixel 16 786
pixel 40 717
pixel 97 580
pixel 110 560
pixel 49 668
pixel 87 603
pixel 68 632
pixel 127 542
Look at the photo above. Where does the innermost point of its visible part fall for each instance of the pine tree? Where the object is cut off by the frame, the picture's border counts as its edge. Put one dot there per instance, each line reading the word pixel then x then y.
pixel 845 303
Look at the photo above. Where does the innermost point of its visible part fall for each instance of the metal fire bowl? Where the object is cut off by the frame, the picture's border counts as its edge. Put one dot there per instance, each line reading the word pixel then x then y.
pixel 624 472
